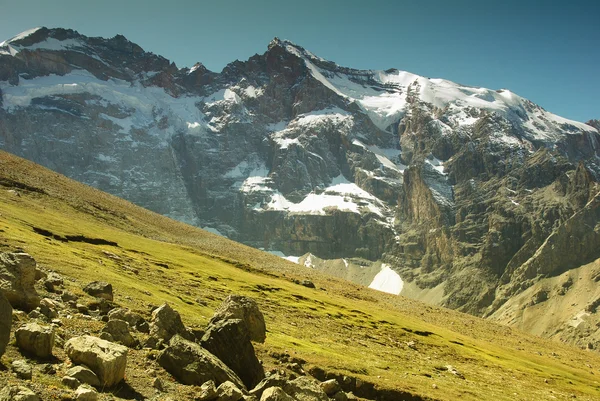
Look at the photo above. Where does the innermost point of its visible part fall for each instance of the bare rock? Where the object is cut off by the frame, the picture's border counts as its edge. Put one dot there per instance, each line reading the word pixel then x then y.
pixel 17 393
pixel 22 369
pixel 70 382
pixel 85 393
pixel 305 388
pixel 108 360
pixel 17 279
pixel 84 375
pixel 166 323
pixel 99 289
pixel 208 392
pixel 135 320
pixel 53 281
pixel 228 391
pixel 330 387
pixel 275 394
pixel 49 308
pixel 192 364
pixel 119 331
pixel 245 309
pixel 6 317
pixel 274 380
pixel 36 339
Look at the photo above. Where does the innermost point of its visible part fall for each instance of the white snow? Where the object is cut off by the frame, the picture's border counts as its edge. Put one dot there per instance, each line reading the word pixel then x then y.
pixel 335 115
pixel 283 255
pixel 436 163
pixel 387 280
pixel 20 36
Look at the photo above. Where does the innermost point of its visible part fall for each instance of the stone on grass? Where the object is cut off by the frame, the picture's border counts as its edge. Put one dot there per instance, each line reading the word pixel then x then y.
pixel 49 308
pixel 85 393
pixel 228 391
pixel 70 382
pixel 245 309
pixel 6 317
pixel 36 339
pixel 275 394
pixel 166 323
pixel 119 331
pixel 99 289
pixel 229 341
pixel 106 359
pixel 305 389
pixel 17 277
pixel 17 393
pixel 22 369
pixel 135 320
pixel 330 387
pixel 84 375
pixel 189 363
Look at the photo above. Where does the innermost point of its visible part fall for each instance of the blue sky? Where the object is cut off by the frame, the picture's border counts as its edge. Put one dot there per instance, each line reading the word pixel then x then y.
pixel 546 51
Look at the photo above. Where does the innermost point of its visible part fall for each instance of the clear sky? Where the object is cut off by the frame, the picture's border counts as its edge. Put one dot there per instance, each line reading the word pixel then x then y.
pixel 547 51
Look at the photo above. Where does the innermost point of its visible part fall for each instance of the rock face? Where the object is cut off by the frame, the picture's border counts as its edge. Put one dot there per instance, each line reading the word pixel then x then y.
pixel 449 185
pixel 17 277
pixel 106 359
pixel 36 339
pixel 5 322
pixel 192 364
pixel 229 341
pixel 245 309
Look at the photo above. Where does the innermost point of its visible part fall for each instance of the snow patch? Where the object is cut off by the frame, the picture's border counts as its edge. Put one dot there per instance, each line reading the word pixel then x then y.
pixel 387 280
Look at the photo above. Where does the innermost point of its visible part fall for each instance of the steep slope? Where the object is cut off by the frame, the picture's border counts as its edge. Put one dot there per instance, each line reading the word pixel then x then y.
pixel 462 191
pixel 400 345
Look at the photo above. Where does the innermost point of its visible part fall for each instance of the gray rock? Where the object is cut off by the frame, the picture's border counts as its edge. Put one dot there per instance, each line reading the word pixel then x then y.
pixel 330 387
pixel 245 309
pixel 17 279
pixel 108 360
pixel 228 391
pixel 6 317
pixel 49 308
pixel 84 375
pixel 53 281
pixel 207 392
pixel 99 289
pixel 229 341
pixel 119 331
pixel 22 369
pixel 17 393
pixel 135 320
pixel 70 382
pixel 36 339
pixel 274 380
pixel 166 323
pixel 275 394
pixel 189 363
pixel 305 388
pixel 68 296
pixel 85 393
pixel 158 384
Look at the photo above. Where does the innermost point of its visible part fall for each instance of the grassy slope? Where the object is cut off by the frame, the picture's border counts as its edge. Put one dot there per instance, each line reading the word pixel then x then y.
pixel 338 326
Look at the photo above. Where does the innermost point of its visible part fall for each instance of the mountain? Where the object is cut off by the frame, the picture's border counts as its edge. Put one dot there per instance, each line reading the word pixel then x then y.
pixel 379 346
pixel 466 197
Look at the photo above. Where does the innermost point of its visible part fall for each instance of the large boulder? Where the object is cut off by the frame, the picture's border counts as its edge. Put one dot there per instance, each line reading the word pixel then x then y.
pixel 275 394
pixel 192 364
pixel 229 341
pixel 305 388
pixel 135 320
pixel 108 360
pixel 36 339
pixel 229 392
pixel 99 289
pixel 119 331
pixel 166 323
pixel 5 322
pixel 17 277
pixel 245 309
pixel 17 393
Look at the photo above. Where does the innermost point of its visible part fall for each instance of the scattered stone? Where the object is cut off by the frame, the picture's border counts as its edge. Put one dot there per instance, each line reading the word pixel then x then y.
pixel 36 339
pixel 22 369
pixel 192 364
pixel 47 369
pixel 330 387
pixel 119 331
pixel 158 384
pixel 17 393
pixel 37 315
pixel 135 320
pixel 85 393
pixel 68 296
pixel 307 283
pixel 208 391
pixel 40 274
pixel 17 279
pixel 71 382
pixel 82 309
pixel 455 372
pixel 166 323
pixel 275 394
pixel 434 386
pixel 340 396
pixel 49 308
pixel 106 359
pixel 84 375
pixel 101 306
pixel 6 317
pixel 245 309
pixel 228 391
pixel 305 389
pixel 99 289
pixel 273 380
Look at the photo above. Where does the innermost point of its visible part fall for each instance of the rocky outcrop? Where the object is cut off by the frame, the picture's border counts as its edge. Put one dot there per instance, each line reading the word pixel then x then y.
pixel 17 279
pixel 107 360
pixel 5 322
pixel 246 310
pixel 36 339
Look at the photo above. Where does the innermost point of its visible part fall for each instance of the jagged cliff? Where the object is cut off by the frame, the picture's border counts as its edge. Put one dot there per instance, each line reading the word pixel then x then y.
pixel 475 191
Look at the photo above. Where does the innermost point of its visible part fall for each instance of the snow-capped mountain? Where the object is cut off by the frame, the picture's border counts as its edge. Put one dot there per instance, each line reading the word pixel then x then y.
pixel 455 188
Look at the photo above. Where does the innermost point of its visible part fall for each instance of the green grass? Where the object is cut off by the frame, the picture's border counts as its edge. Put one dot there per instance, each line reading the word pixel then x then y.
pixel 339 326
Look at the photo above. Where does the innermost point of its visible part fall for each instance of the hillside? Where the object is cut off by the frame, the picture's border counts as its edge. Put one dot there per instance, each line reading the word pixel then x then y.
pixel 396 343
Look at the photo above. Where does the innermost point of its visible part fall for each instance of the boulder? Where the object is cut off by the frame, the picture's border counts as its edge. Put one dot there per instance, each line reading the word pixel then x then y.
pixel 70 382
pixel 52 281
pixel 135 320
pixel 207 392
pixel 17 393
pixel 6 316
pixel 49 308
pixel 275 394
pixel 36 339
pixel 108 360
pixel 22 369
pixel 85 393
pixel 84 375
pixel 229 392
pixel 17 277
pixel 305 388
pixel 330 387
pixel 274 380
pixel 99 289
pixel 229 341
pixel 166 323
pixel 245 309
pixel 192 364
pixel 119 331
